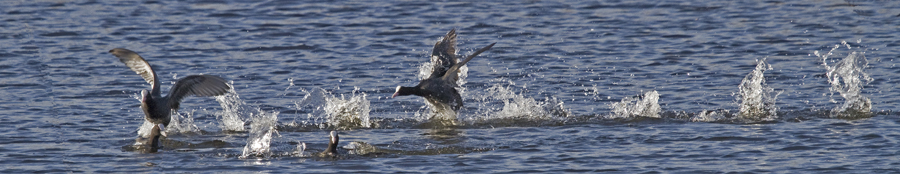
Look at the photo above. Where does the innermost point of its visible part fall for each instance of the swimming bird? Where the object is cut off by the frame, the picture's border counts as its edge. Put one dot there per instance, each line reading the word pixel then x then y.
pixel 439 88
pixel 158 109
pixel 149 143
pixel 332 145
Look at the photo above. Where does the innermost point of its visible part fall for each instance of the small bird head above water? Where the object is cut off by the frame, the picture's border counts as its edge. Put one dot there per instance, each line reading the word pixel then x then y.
pixel 150 143
pixel 332 145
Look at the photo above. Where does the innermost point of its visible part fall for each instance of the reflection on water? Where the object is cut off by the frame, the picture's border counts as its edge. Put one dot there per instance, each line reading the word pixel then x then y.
pixel 446 135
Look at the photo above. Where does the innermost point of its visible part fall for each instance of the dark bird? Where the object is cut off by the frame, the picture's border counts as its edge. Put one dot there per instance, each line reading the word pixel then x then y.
pixel 149 143
pixel 332 145
pixel 158 109
pixel 440 88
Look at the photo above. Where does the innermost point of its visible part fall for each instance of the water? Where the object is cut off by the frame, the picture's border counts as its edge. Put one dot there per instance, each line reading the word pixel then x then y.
pixel 848 77
pixel 618 86
pixel 757 98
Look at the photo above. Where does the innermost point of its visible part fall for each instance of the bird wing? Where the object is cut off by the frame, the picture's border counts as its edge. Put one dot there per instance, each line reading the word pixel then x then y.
pixel 452 72
pixel 196 85
pixel 443 56
pixel 138 65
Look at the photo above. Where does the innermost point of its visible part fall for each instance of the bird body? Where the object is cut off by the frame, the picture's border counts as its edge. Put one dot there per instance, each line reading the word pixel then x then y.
pixel 157 108
pixel 440 87
pixel 332 144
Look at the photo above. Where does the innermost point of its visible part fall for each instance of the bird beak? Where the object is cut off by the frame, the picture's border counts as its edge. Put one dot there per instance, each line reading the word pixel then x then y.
pixel 396 92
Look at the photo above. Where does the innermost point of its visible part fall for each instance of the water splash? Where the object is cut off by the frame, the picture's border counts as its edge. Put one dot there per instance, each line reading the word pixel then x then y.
pixel 712 116
pixel 300 150
pixel 630 107
pixel 426 69
pixel 462 74
pixel 230 118
pixel 437 112
pixel 262 130
pixel 181 123
pixel 362 148
pixel 314 104
pixel 338 112
pixel 349 113
pixel 848 77
pixel 441 112
pixel 144 130
pixel 516 106
pixel 757 98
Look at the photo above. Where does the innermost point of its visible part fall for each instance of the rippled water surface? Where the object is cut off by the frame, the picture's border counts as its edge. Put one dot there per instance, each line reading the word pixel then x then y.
pixel 616 86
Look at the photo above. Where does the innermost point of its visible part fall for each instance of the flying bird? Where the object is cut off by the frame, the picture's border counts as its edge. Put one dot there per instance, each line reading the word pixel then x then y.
pixel 158 109
pixel 439 88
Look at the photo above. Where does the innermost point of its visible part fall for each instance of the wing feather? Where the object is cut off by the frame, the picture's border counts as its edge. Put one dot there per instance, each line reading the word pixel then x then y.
pixel 196 85
pixel 443 56
pixel 138 65
pixel 452 72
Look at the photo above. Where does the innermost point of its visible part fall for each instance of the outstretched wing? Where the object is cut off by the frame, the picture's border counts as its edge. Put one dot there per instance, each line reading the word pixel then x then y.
pixel 443 56
pixel 138 65
pixel 452 74
pixel 196 85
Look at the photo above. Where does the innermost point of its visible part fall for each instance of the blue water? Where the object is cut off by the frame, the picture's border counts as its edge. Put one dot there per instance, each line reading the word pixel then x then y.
pixel 538 101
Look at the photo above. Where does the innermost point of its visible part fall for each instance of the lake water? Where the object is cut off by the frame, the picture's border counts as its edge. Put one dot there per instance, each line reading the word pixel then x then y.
pixel 803 86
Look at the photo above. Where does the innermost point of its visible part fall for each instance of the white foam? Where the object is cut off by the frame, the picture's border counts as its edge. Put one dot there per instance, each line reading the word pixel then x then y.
pixel 144 130
pixel 515 105
pixel 630 107
pixel 710 116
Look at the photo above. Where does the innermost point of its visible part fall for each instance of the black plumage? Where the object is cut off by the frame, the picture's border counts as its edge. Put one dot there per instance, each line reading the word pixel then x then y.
pixel 440 87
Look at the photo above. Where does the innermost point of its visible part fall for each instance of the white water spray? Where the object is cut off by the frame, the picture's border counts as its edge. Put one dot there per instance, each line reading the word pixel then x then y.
pixel 232 106
pixel 339 112
pixel 262 130
pixel 515 105
pixel 848 77
pixel 645 106
pixel 757 98
pixel 182 123
pixel 352 112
